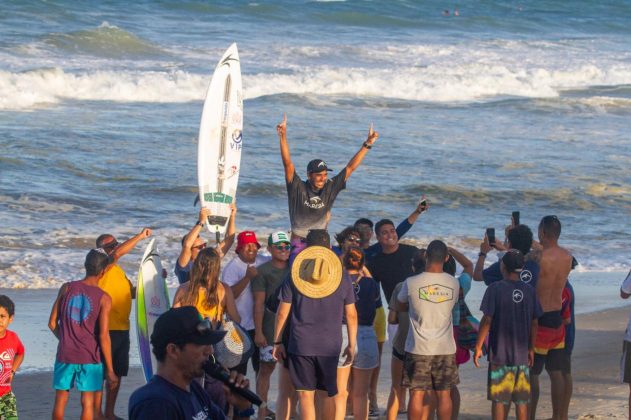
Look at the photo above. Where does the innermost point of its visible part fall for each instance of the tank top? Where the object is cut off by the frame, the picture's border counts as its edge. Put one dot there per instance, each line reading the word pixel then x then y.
pixel 215 314
pixel 114 282
pixel 78 316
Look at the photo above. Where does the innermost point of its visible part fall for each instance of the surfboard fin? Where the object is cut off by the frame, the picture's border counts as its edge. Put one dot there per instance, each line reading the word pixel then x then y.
pixel 196 200
pixel 217 237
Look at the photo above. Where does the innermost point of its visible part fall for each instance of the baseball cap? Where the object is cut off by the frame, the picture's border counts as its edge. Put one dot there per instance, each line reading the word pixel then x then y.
pixel 277 238
pixel 184 325
pixel 513 261
pixel 246 237
pixel 316 166
pixel 319 237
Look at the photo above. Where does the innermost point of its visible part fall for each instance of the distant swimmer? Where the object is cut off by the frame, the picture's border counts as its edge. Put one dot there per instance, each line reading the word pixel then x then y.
pixel 456 12
pixel 446 12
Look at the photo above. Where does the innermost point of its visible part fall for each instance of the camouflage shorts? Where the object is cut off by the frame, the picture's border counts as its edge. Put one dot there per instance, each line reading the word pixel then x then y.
pixel 425 373
pixel 8 407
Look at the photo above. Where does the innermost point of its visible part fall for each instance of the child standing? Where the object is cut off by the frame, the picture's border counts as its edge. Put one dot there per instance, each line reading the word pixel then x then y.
pixel 511 309
pixel 11 357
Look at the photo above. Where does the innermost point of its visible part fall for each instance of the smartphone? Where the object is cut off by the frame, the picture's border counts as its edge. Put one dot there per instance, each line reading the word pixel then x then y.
pixel 490 234
pixel 515 218
pixel 423 204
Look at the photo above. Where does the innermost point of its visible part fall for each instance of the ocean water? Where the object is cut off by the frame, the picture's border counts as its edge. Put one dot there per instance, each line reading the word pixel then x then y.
pixel 507 106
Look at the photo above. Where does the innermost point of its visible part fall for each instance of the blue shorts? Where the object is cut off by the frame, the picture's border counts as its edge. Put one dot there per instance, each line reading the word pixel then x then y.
pixel 367 356
pixel 85 377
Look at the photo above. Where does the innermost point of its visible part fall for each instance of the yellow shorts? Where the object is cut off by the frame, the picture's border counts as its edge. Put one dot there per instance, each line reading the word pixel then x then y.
pixel 380 325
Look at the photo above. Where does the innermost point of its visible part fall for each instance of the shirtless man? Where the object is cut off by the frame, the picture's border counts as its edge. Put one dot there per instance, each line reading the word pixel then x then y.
pixel 555 265
pixel 310 202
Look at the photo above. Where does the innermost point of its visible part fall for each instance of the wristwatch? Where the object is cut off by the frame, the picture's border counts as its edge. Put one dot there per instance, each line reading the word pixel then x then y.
pixel 199 223
pixel 481 254
pixel 367 146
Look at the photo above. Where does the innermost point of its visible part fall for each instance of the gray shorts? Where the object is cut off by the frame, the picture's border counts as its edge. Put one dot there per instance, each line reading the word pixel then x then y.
pixel 367 356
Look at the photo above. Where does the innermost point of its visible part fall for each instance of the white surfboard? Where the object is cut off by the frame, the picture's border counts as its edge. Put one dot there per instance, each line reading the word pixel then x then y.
pixel 152 300
pixel 220 142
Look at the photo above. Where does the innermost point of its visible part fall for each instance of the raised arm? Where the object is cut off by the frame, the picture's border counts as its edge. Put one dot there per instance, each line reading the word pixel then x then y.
pixel 189 239
pixel 228 239
pixel 130 243
pixel 281 129
pixel 467 265
pixel 485 248
pixel 359 156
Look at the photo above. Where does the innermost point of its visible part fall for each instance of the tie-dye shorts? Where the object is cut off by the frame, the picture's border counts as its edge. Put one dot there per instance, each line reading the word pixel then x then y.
pixel 509 384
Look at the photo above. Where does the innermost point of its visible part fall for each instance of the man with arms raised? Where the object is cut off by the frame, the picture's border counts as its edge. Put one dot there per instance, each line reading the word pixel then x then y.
pixel 555 264
pixel 310 202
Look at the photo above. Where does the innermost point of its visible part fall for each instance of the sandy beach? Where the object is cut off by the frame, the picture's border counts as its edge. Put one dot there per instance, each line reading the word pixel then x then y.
pixel 595 364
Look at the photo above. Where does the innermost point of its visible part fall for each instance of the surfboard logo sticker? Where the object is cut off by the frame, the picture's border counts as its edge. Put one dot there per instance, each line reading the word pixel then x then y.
pixel 237 118
pixel 218 197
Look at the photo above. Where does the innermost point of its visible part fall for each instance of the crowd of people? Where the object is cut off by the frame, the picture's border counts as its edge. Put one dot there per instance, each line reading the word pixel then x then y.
pixel 314 312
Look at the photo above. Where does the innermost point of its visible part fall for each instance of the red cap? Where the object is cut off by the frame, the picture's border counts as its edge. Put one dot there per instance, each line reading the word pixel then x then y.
pixel 246 237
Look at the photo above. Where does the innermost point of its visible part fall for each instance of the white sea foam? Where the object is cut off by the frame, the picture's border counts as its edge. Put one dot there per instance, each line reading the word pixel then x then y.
pixel 473 82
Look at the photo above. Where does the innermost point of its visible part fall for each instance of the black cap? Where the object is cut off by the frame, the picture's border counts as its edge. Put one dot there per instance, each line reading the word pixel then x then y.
pixel 318 237
pixel 183 325
pixel 513 261
pixel 316 166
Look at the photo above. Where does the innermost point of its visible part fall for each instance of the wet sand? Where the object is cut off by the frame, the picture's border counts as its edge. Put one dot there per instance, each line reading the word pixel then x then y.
pixel 595 364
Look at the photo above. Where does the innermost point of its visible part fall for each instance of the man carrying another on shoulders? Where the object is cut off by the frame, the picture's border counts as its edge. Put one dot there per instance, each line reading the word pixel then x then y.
pixel 555 264
pixel 310 202
pixel 116 284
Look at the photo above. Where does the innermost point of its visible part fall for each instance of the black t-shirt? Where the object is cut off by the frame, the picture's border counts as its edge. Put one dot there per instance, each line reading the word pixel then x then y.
pixel 391 269
pixel 160 399
pixel 308 208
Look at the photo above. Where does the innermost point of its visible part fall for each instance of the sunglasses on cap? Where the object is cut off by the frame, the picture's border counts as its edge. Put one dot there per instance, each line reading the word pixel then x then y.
pixel 200 246
pixel 281 247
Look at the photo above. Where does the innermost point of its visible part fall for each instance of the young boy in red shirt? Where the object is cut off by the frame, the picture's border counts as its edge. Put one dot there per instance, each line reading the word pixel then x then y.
pixel 11 357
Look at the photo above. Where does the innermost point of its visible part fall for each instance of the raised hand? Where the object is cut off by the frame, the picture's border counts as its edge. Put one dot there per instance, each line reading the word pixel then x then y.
pixel 281 128
pixel 372 136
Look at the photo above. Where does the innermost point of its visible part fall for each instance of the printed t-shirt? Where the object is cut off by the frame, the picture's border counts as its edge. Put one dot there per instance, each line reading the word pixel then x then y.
pixel 316 324
pixel 10 346
pixel 391 269
pixel 512 305
pixel 400 337
pixel 464 280
pixel 367 298
pixel 268 280
pixel 375 248
pixel 160 399
pixel 431 298
pixel 78 315
pixel 308 208
pixel 116 284
pixel 233 273
pixel 182 273
pixel 529 274
pixel 214 313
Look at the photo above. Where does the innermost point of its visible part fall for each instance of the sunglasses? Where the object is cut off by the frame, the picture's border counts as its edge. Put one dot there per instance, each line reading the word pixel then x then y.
pixel 111 245
pixel 283 247
pixel 200 246
pixel 353 239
